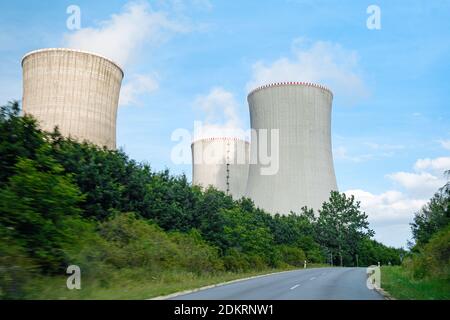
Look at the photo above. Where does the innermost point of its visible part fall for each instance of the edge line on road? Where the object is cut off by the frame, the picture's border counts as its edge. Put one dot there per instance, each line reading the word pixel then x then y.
pixel 182 293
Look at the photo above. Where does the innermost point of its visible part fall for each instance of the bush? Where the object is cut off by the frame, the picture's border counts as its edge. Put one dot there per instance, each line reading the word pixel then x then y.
pixel 39 205
pixel 235 261
pixel 433 259
pixel 256 262
pixel 16 268
pixel 291 255
pixel 132 242
pixel 195 254
pixel 315 256
pixel 435 255
pixel 126 241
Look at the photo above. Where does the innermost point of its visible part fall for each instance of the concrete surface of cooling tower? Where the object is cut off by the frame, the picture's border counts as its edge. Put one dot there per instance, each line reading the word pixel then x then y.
pixel 221 163
pixel 74 90
pixel 305 176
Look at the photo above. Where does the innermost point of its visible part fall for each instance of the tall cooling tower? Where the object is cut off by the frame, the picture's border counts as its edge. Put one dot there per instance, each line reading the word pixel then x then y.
pixel 305 176
pixel 74 90
pixel 221 163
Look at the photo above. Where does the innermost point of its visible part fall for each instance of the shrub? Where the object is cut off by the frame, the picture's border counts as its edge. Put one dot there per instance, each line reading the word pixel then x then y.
pixel 315 256
pixel 132 242
pixel 256 262
pixel 195 254
pixel 235 261
pixel 291 255
pixel 433 259
pixel 436 255
pixel 39 205
pixel 16 268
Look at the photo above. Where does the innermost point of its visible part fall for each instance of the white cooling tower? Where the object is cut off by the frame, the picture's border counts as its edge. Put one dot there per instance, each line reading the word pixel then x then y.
pixel 221 163
pixel 305 177
pixel 74 90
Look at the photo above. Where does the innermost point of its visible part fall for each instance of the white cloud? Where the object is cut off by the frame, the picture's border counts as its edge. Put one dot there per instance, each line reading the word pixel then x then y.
pixel 392 234
pixel 124 34
pixel 221 114
pixel 427 179
pixel 341 153
pixel 319 62
pixel 389 214
pixel 422 184
pixel 122 38
pixel 183 5
pixel 445 144
pixel 388 147
pixel 388 206
pixel 135 87
pixel 438 165
pixel 362 151
pixel 394 209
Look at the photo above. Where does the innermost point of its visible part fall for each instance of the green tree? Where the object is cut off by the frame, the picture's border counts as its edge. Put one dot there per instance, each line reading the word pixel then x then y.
pixel 291 255
pixel 40 205
pixel 208 217
pixel 244 233
pixel 341 226
pixel 434 216
pixel 19 138
pixel 370 252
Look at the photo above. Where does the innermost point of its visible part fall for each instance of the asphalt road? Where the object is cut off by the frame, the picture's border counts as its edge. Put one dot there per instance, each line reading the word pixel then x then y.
pixel 308 284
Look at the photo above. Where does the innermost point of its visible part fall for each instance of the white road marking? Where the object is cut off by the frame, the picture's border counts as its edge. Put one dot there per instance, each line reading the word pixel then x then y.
pixel 313 278
pixel 295 287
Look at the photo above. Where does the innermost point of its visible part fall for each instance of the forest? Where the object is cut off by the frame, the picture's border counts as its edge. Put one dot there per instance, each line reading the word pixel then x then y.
pixel 68 203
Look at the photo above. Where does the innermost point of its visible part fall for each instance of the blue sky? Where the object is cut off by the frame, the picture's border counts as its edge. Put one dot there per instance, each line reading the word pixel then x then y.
pixel 196 60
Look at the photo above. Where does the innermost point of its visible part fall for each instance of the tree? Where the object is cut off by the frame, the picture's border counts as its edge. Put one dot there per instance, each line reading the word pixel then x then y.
pixel 40 207
pixel 370 252
pixel 208 215
pixel 341 226
pixel 19 138
pixel 244 233
pixel 434 216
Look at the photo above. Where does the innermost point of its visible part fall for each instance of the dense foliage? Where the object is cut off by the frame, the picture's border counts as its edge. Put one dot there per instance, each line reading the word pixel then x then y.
pixel 64 202
pixel 433 217
pixel 430 256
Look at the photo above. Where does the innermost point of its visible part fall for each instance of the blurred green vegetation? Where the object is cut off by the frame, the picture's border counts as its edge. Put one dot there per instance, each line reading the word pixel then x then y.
pixel 136 233
pixel 399 282
pixel 425 271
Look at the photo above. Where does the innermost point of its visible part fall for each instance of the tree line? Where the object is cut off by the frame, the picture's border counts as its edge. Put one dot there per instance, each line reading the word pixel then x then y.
pixel 430 249
pixel 63 202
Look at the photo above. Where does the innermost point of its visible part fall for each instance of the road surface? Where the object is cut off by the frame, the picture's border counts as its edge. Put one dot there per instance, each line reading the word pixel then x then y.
pixel 308 284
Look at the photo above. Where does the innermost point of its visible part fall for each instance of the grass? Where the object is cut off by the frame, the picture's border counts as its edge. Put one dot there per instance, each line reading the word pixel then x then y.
pixel 401 285
pixel 133 284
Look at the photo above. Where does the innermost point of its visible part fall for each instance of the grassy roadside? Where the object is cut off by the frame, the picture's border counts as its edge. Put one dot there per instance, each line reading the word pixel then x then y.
pixel 133 284
pixel 400 284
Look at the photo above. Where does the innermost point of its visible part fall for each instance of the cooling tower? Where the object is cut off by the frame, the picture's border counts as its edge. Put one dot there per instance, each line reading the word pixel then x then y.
pixel 305 176
pixel 74 90
pixel 221 163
